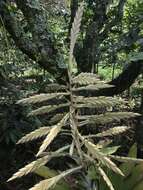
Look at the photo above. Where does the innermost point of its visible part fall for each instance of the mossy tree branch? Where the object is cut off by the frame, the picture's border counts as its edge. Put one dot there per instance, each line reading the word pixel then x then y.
pixel 16 31
pixel 37 22
pixel 40 47
pixel 123 81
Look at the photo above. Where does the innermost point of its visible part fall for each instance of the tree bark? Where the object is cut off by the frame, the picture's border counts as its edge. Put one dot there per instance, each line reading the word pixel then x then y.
pixel 123 81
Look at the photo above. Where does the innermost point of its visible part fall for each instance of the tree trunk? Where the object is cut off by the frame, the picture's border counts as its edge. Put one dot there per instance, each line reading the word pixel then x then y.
pixel 123 81
pixel 40 47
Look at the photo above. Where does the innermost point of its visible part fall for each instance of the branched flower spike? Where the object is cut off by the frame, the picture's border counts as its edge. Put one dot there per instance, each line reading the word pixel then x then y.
pixel 70 113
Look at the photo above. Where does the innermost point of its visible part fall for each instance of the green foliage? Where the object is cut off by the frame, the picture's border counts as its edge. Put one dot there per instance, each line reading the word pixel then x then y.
pixel 132 179
pixel 105 73
pixel 13 119
pixel 46 173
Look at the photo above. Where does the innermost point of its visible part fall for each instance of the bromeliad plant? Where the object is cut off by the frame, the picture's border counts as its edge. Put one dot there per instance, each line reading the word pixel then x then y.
pixel 82 149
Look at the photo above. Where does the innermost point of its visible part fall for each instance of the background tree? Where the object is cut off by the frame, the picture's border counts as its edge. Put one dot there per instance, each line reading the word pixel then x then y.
pixel 106 31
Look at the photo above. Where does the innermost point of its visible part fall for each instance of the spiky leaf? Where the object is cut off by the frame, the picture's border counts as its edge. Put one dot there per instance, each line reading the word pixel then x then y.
pixel 107 117
pixel 75 29
pixel 127 159
pixel 41 98
pixel 56 118
pixel 48 183
pixel 35 166
pixel 113 131
pixel 52 134
pixel 109 150
pixel 85 79
pixel 34 135
pixel 101 157
pixel 47 109
pixel 105 177
pixel 97 102
pixel 30 167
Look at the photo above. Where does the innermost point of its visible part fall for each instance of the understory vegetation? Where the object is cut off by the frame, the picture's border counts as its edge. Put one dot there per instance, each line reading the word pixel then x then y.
pixel 71 95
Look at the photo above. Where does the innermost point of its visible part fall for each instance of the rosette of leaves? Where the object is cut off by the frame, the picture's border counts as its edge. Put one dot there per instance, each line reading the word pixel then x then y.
pixel 81 149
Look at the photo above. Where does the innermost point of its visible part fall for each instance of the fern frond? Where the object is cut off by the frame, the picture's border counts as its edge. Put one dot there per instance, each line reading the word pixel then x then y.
pixel 75 29
pixel 41 98
pixel 52 134
pixel 49 183
pixel 34 135
pixel 47 109
pixel 93 87
pixel 97 102
pixel 85 79
pixel 106 118
pixel 30 167
pixel 105 178
pixel 126 159
pixel 113 131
